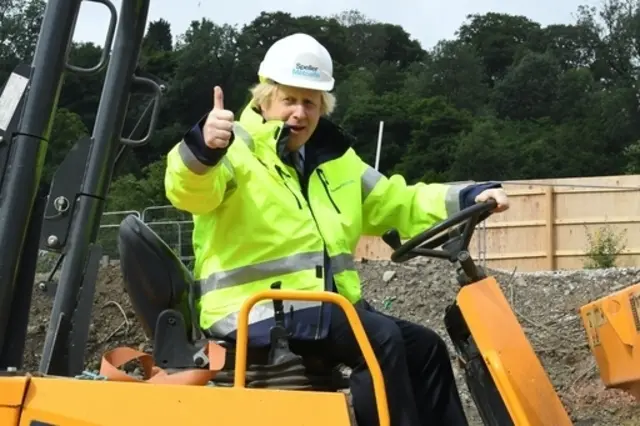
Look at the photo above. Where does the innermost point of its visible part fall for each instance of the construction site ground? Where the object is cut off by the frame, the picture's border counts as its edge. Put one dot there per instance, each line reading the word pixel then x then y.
pixel 546 304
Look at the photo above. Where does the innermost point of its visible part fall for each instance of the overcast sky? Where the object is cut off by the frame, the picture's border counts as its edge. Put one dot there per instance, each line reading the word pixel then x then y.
pixel 426 21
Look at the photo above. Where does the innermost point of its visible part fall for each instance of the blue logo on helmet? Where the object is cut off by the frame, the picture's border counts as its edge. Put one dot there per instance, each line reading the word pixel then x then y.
pixel 308 71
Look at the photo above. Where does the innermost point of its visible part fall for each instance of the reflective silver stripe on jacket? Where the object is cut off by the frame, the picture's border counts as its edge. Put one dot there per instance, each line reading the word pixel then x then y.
pixel 271 269
pixel 197 167
pixel 369 178
pixel 241 132
pixel 190 160
pixel 259 271
pixel 342 262
pixel 259 312
pixel 452 198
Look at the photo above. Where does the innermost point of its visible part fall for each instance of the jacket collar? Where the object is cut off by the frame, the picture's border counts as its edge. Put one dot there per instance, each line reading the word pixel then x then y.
pixel 328 141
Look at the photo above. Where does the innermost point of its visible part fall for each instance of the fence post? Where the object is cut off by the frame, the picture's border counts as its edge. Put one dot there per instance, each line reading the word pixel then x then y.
pixel 180 242
pixel 550 228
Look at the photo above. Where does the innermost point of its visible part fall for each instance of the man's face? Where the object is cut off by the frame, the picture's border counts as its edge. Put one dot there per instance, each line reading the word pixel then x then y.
pixel 299 108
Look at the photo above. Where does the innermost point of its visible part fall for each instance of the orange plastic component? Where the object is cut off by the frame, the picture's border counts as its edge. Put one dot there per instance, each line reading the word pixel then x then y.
pixel 72 402
pixel 360 335
pixel 54 400
pixel 517 372
pixel 612 324
pixel 12 391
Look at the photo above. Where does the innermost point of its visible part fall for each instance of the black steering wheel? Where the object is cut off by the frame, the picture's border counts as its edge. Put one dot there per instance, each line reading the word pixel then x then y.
pixel 456 241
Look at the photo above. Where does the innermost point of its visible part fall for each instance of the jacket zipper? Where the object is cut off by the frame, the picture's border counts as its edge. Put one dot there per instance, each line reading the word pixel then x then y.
pixel 282 176
pixel 304 190
pixel 325 183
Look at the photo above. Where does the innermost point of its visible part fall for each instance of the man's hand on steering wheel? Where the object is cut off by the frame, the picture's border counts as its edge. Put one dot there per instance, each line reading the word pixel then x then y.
pixel 497 194
pixel 489 201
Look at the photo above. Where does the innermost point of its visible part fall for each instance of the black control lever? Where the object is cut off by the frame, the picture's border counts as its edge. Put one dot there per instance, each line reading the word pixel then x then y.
pixel 279 351
pixel 392 238
pixel 278 306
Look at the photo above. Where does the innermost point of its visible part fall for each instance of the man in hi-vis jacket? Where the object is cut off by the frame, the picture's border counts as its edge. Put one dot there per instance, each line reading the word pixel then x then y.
pixel 280 194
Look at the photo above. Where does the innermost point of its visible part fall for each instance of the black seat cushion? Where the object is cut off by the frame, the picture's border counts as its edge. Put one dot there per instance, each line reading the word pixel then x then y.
pixel 154 276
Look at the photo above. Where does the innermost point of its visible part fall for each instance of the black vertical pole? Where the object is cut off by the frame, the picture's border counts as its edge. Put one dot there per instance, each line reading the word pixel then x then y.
pixel 13 350
pixel 90 202
pixel 29 146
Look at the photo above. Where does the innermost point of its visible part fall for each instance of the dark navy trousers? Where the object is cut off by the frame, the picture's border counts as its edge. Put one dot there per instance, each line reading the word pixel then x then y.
pixel 415 363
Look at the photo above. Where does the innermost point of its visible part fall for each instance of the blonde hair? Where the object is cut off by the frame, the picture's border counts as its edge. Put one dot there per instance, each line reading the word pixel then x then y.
pixel 263 92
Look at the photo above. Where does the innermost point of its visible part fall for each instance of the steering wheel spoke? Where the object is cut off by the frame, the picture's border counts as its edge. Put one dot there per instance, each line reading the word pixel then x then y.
pixel 441 254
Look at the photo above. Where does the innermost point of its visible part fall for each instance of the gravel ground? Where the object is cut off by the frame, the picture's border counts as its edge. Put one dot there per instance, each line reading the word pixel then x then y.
pixel 546 304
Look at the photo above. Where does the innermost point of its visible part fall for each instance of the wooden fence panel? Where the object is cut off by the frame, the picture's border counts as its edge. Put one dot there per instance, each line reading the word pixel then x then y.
pixel 548 224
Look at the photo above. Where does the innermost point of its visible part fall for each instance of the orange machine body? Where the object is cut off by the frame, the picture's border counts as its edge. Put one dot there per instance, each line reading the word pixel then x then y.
pixel 612 324
pixel 71 402
pixel 28 400
pixel 519 376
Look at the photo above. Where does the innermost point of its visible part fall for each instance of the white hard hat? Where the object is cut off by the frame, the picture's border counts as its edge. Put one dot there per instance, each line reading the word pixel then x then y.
pixel 298 60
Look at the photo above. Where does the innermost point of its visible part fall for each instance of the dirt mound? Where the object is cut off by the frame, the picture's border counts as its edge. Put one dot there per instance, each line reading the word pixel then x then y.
pixel 546 305
pixel 113 323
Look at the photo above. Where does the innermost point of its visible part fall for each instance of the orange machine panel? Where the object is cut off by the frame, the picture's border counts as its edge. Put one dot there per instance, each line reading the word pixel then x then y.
pixel 517 372
pixel 72 402
pixel 612 324
pixel 12 390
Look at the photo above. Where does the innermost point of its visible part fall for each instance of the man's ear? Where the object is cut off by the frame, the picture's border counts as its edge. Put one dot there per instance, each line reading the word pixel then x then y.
pixel 264 105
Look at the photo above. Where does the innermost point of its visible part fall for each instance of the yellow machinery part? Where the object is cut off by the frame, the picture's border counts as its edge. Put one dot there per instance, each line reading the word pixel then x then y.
pixel 525 387
pixel 72 402
pixel 354 321
pixel 12 393
pixel 324 296
pixel 612 324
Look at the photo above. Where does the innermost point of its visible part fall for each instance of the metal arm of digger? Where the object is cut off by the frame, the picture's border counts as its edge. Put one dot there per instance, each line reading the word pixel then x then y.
pixel 69 223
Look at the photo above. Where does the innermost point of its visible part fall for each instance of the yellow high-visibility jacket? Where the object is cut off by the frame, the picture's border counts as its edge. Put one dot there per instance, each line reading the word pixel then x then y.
pixel 257 221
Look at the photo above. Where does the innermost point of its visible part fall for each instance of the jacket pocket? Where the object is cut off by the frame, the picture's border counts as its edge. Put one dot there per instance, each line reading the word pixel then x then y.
pixel 325 184
pixel 283 175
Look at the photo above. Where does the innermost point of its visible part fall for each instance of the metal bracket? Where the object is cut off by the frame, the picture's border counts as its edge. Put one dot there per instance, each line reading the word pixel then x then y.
pixel 171 346
pixel 65 188
pixel 81 319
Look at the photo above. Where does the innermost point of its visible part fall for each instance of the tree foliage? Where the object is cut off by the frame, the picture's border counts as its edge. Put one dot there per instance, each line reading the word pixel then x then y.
pixel 506 99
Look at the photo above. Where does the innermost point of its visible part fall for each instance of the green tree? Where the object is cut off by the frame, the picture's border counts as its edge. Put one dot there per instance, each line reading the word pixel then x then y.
pixel 506 98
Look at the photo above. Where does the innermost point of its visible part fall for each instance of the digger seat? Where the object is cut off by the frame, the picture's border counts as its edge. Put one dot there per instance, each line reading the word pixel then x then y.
pixel 156 280
pixel 154 277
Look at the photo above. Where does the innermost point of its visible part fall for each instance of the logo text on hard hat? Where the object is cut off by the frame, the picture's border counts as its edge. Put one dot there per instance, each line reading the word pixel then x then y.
pixel 301 70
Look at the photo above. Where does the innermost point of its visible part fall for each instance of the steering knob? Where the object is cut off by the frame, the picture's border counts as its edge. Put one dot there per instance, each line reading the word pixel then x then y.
pixel 392 238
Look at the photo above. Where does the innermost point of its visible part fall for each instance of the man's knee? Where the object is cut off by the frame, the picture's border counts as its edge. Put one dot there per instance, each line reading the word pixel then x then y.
pixel 386 338
pixel 432 345
pixel 384 335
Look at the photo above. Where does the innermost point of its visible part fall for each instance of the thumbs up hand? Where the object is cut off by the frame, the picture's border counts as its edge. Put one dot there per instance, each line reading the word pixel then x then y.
pixel 219 124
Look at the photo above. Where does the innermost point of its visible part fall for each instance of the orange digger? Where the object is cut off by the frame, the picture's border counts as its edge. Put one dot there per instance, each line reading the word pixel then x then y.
pixel 187 370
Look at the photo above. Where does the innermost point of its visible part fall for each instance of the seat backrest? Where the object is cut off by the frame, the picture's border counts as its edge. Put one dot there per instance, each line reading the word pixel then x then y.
pixel 154 276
